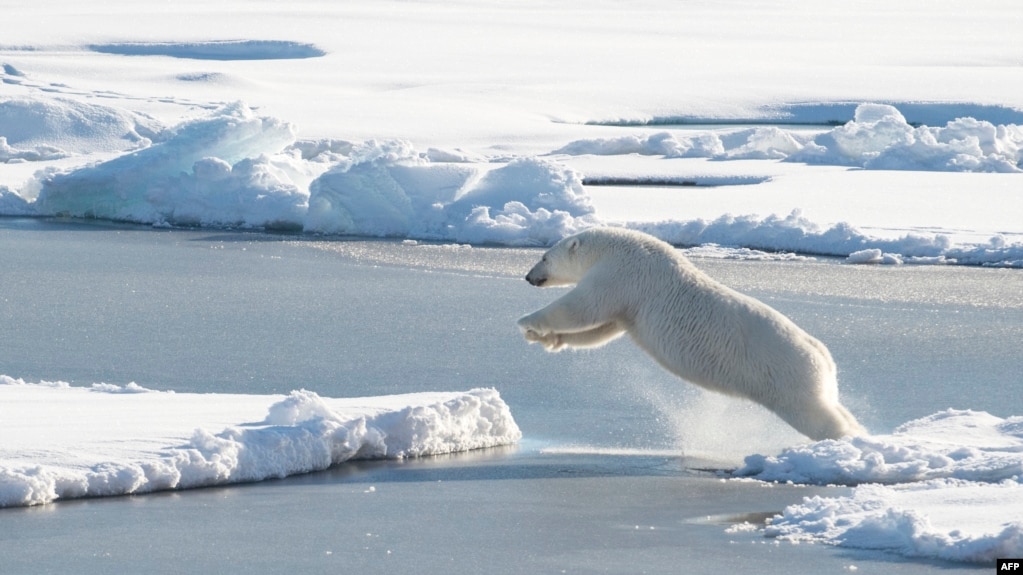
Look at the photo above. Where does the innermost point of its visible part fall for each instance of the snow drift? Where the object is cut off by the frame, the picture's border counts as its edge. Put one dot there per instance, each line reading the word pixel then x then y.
pixel 63 442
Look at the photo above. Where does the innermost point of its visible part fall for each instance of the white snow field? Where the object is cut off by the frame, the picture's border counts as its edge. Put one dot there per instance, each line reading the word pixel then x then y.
pixel 879 132
pixel 783 127
pixel 65 442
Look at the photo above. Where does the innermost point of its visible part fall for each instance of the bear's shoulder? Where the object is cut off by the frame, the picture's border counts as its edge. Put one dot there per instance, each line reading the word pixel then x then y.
pixel 624 240
pixel 623 251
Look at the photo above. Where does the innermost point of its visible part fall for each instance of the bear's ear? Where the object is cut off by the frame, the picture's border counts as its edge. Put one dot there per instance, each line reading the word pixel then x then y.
pixel 573 244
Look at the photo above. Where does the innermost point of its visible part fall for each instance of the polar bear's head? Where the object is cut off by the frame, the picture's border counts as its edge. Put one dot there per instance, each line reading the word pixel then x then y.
pixel 565 263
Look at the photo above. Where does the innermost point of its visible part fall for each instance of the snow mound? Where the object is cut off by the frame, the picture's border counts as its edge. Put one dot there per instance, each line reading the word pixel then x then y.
pixel 110 440
pixel 952 480
pixel 212 171
pixel 46 129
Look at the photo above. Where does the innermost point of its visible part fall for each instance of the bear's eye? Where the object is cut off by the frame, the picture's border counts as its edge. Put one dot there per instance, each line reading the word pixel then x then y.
pixel 544 258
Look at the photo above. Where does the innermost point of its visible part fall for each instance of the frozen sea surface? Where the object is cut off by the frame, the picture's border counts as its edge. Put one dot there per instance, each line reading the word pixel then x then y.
pixel 607 476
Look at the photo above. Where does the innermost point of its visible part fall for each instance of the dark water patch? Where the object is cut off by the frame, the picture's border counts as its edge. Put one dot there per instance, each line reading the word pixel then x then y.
pixel 201 77
pixel 711 123
pixel 218 50
pixel 675 181
pixel 12 71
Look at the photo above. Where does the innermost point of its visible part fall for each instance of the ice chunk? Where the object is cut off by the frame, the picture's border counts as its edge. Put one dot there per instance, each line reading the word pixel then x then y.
pixel 12 204
pixel 873 113
pixel 141 441
pixel 211 171
pixel 388 190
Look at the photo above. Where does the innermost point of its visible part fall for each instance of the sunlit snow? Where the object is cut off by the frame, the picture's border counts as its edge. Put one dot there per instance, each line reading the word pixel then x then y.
pixel 880 133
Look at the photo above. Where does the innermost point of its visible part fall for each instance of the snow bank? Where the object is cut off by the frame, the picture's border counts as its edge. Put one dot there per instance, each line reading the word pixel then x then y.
pixel 878 137
pixel 947 486
pixel 64 442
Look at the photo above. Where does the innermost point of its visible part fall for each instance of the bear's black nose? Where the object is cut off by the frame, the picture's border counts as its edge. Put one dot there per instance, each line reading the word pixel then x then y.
pixel 535 282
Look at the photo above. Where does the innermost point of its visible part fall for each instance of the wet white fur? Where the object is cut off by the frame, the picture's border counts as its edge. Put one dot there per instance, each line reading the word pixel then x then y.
pixel 700 330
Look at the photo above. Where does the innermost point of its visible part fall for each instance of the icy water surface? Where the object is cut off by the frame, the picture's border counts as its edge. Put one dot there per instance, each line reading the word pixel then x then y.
pixel 609 476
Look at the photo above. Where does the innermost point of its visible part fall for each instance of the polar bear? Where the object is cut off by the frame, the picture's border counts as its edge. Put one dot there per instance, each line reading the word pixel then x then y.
pixel 700 330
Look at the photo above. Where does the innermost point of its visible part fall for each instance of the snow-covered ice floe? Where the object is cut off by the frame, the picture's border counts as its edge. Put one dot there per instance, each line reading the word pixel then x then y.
pixel 62 442
pixel 948 486
pixel 236 168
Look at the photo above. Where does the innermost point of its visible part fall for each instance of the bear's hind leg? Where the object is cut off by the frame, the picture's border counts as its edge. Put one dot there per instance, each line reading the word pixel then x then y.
pixel 819 419
pixel 831 421
pixel 852 426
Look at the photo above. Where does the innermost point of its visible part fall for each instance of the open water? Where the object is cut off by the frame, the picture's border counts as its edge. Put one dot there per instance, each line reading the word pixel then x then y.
pixel 611 476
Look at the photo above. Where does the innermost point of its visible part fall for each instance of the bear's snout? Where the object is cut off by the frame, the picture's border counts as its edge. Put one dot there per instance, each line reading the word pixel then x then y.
pixel 535 280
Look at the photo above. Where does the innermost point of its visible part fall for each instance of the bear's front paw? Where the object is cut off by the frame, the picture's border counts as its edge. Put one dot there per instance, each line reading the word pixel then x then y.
pixel 550 341
pixel 526 325
pixel 532 336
